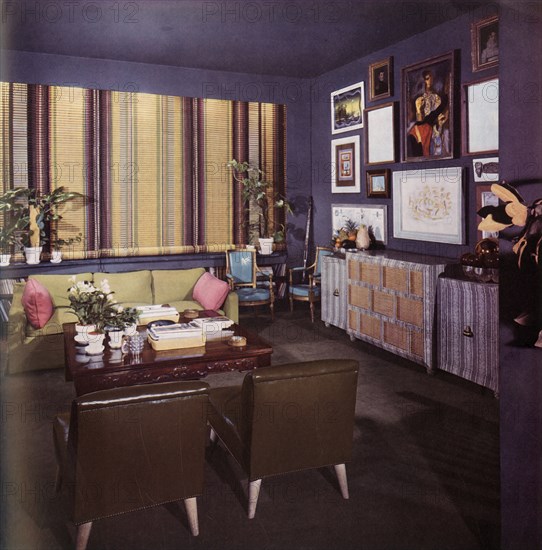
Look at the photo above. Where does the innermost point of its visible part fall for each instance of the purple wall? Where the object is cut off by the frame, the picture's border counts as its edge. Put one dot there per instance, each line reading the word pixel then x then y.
pixel 454 35
pixel 32 68
pixel 520 366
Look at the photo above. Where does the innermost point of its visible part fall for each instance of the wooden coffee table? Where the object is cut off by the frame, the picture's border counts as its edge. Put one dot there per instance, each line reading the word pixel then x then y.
pixel 112 369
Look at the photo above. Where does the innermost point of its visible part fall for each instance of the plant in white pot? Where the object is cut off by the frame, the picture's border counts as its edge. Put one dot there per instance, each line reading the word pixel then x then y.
pixel 14 222
pixel 42 211
pixel 58 244
pixel 260 203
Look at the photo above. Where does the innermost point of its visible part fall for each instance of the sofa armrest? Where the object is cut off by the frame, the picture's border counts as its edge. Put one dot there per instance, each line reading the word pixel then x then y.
pixel 17 318
pixel 231 307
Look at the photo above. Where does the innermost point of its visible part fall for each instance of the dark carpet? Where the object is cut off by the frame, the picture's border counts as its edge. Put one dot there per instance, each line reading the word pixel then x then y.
pixel 424 472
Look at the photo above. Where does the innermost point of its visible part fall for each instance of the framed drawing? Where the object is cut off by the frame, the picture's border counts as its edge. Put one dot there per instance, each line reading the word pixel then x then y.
pixel 481 117
pixel 486 169
pixel 378 183
pixel 345 165
pixel 485 43
pixel 428 103
pixel 380 134
pixel 381 79
pixel 347 107
pixel 428 205
pixel 374 216
pixel 484 197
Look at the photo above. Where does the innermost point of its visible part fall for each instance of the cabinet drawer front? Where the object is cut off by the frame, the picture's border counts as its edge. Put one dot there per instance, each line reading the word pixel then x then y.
pixel 417 346
pixel 416 283
pixel 370 326
pixel 369 273
pixel 384 303
pixel 353 270
pixel 395 278
pixel 359 296
pixel 396 335
pixel 410 311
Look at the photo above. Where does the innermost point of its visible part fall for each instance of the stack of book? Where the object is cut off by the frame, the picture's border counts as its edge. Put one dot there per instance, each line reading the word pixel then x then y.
pixel 176 336
pixel 155 313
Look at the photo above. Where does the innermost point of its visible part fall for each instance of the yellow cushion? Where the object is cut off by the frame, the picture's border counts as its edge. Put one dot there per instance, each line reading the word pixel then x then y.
pixel 132 286
pixel 58 285
pixel 170 285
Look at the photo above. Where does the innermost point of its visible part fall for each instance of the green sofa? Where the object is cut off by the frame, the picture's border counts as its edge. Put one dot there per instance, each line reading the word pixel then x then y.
pixel 32 349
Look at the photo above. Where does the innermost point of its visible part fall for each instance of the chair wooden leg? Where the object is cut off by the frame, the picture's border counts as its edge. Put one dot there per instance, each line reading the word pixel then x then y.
pixel 291 303
pixel 311 305
pixel 191 506
pixel 272 308
pixel 253 494
pixel 213 437
pixel 81 537
pixel 340 470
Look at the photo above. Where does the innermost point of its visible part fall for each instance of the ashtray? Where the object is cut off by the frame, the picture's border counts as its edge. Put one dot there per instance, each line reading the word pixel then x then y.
pixel 190 313
pixel 237 341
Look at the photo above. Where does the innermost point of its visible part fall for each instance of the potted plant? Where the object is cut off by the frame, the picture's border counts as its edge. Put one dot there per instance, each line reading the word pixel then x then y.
pixel 118 320
pixel 14 223
pixel 42 209
pixel 58 244
pixel 260 204
pixel 90 304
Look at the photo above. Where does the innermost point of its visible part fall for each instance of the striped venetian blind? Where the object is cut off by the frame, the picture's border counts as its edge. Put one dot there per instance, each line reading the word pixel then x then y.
pixel 153 166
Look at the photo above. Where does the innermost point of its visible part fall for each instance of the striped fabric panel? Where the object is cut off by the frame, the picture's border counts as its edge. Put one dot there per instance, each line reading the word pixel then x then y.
pixel 240 151
pixel 38 137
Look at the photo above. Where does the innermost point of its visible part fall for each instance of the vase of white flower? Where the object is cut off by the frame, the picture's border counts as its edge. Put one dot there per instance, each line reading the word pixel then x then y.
pixel 89 303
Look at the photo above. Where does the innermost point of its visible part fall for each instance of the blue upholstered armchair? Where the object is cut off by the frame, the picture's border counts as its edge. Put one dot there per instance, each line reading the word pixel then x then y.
pixel 298 289
pixel 254 287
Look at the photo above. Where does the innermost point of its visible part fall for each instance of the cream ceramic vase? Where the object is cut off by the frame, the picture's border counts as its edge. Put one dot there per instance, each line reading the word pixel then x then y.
pixel 363 241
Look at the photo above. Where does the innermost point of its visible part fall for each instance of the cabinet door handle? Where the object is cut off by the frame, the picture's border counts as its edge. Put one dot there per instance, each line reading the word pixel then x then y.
pixel 467 331
pixel 336 292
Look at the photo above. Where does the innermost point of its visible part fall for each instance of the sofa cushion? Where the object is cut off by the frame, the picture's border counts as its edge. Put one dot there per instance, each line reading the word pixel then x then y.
pixel 132 286
pixel 210 292
pixel 37 303
pixel 170 285
pixel 58 285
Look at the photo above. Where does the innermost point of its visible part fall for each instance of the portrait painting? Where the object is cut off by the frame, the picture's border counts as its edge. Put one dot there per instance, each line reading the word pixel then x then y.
pixel 427 131
pixel 485 43
pixel 381 79
pixel 347 107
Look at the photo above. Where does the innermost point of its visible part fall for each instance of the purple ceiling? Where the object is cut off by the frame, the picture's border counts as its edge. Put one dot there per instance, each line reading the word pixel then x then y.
pixel 297 38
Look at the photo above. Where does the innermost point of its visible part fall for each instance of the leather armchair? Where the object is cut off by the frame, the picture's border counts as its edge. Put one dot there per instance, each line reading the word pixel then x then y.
pixel 126 449
pixel 286 418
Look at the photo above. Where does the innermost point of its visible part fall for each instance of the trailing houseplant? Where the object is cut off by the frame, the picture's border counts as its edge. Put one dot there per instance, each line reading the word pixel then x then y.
pixel 258 199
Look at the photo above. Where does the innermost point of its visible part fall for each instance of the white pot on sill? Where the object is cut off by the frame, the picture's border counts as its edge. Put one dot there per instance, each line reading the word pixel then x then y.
pixel 32 254
pixel 266 245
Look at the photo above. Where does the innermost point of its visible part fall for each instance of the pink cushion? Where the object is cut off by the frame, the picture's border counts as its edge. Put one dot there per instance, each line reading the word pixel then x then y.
pixel 210 292
pixel 37 303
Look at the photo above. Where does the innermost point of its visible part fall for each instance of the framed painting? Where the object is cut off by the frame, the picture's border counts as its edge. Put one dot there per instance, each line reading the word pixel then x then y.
pixel 485 169
pixel 428 205
pixel 347 107
pixel 485 197
pixel 481 117
pixel 378 183
pixel 381 79
pixel 428 109
pixel 380 134
pixel 485 43
pixel 374 216
pixel 345 165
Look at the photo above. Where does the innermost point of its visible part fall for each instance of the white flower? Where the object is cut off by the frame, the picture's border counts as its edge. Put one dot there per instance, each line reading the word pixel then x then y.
pixel 104 285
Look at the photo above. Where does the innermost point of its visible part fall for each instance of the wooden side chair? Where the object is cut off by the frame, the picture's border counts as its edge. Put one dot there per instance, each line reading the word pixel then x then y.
pixel 276 443
pixel 131 448
pixel 253 286
pixel 310 291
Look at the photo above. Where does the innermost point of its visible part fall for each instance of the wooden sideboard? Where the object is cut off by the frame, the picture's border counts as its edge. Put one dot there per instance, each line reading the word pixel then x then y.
pixel 392 300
